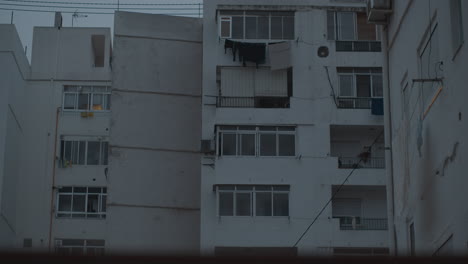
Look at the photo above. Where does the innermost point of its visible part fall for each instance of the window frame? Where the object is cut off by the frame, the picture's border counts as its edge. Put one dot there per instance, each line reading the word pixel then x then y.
pixel 245 14
pixel 253 199
pixel 337 28
pixel 84 246
pixel 100 214
pixel 238 132
pixel 359 71
pixel 63 150
pixel 78 91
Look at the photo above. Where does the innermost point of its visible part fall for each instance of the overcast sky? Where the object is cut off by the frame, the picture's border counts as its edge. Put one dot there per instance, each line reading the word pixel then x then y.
pixel 26 20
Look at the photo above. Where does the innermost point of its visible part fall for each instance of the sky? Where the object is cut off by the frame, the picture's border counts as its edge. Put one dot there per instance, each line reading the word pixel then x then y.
pixel 86 13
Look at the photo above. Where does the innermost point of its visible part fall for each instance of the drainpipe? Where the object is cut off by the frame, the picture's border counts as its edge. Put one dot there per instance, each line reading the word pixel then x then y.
pixel 388 144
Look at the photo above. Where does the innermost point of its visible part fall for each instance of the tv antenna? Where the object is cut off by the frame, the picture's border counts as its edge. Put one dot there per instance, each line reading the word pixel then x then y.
pixel 77 15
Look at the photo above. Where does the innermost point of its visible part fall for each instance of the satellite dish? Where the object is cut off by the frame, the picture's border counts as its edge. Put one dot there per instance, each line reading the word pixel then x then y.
pixel 322 52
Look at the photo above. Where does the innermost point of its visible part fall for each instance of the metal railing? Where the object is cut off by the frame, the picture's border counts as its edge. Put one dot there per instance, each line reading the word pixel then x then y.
pixel 354 102
pixel 353 162
pixel 359 223
pixel 253 102
pixel 360 45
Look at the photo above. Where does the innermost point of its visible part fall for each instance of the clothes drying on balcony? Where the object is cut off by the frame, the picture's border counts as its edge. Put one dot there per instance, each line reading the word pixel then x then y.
pixel 253 52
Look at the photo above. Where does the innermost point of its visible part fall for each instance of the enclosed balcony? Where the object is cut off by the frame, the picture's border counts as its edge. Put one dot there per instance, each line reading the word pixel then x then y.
pixel 359 216
pixel 360 147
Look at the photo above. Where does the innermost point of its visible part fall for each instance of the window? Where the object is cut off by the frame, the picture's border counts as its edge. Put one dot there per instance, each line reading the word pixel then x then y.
pixel 257 141
pixel 254 87
pixel 358 85
pixel 456 25
pixel 256 25
pixel 83 152
pixel 352 32
pixel 92 247
pixel 86 98
pixel 253 200
pixel 81 202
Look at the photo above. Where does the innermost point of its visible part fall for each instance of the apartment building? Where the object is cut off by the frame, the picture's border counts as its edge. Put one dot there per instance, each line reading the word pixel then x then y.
pixel 425 108
pixel 292 119
pixel 78 178
pixel 15 69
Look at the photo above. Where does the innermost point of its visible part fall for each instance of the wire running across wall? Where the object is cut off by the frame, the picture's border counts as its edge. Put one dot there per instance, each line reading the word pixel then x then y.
pixel 96 8
pixel 335 193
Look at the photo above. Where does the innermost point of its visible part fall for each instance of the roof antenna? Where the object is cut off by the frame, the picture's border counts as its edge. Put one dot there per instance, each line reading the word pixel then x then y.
pixel 77 15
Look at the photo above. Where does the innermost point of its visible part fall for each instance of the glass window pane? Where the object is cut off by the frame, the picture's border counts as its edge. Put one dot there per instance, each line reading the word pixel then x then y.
pixel 346 85
pixel 103 203
pixel 346 25
pixel 287 145
pixel 263 187
pixel 247 144
pixel 288 27
pixel 286 128
pixel 251 27
pixel 69 101
pixel 73 242
pixel 94 243
pixel 377 85
pixel 280 204
pixel 237 27
pixel 68 150
pixel 93 152
pixel 363 85
pixel 226 203
pixel 229 144
pixel 107 103
pixel 93 203
pixel 94 190
pixel 79 203
pixel 83 103
pixel 75 152
pixel 225 28
pixel 82 152
pixel 65 189
pixel 243 204
pixel 64 203
pixel 79 189
pixel 267 145
pixel 98 102
pixel 263 28
pixel 276 27
pixel 263 203
pixel 104 153
pixel 267 128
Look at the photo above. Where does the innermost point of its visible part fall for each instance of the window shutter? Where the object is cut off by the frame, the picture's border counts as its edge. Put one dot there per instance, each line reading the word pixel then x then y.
pixel 271 83
pixel 237 82
pixel 331 25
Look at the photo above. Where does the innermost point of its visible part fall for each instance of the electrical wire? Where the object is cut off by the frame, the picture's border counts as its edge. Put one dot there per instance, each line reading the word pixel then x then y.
pixel 94 3
pixel 334 194
pixel 87 12
pixel 105 8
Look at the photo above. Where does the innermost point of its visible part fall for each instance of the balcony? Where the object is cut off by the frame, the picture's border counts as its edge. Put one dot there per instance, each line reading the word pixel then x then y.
pixel 253 102
pixel 357 146
pixel 359 46
pixel 358 223
pixel 361 163
pixel 354 102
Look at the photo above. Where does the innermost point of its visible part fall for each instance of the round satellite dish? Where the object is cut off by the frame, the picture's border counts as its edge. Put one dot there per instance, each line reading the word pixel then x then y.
pixel 322 52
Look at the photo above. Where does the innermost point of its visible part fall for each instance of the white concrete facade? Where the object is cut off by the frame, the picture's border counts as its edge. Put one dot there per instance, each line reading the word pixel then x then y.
pixel 15 71
pixel 154 174
pixel 427 126
pixel 312 172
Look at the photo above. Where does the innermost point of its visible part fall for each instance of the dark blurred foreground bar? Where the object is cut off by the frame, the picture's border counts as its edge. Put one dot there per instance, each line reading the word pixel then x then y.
pixel 49 258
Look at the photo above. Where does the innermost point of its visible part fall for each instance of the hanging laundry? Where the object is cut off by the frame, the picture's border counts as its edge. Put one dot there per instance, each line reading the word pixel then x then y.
pixel 247 52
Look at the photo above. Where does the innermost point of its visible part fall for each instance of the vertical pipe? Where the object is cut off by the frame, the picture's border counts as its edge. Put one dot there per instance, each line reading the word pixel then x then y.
pixel 11 22
pixel 388 143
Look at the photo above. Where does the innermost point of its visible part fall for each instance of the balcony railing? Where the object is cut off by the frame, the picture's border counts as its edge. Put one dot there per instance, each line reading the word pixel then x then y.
pixel 363 46
pixel 253 102
pixel 354 102
pixel 356 162
pixel 359 223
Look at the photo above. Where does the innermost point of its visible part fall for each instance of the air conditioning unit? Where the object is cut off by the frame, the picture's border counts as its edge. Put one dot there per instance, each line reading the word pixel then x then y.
pixel 208 146
pixel 378 11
